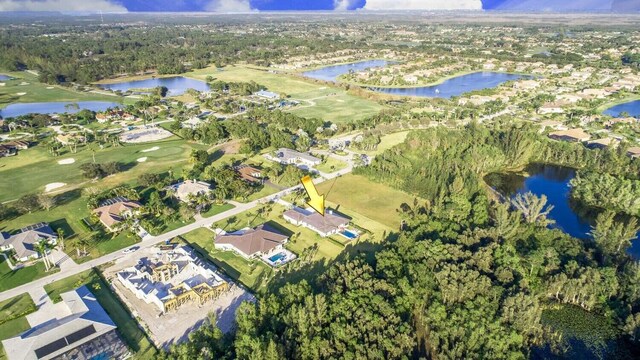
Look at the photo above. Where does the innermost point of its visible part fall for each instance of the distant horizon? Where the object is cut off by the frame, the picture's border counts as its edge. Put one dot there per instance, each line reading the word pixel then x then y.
pixel 247 6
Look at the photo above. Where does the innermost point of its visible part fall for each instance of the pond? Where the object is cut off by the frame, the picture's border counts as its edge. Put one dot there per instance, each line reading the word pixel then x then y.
pixel 331 73
pixel 455 86
pixel 552 181
pixel 19 109
pixel 4 77
pixel 177 85
pixel 632 108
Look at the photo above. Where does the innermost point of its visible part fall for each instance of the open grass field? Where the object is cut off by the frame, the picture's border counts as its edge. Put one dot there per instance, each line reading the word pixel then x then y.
pixel 330 165
pixel 31 170
pixel 127 326
pixel 249 273
pixel 12 278
pixel 375 201
pixel 388 141
pixel 316 100
pixel 39 92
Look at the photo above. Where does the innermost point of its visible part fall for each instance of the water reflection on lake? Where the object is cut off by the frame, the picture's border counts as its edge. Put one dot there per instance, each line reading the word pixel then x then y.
pixel 177 85
pixel 331 73
pixel 631 107
pixel 20 109
pixel 552 181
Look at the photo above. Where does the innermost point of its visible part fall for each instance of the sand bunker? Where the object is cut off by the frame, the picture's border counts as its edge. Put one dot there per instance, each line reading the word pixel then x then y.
pixel 53 186
pixel 24 83
pixel 322 88
pixel 142 159
pixel 151 149
pixel 66 161
pixel 21 94
pixel 50 87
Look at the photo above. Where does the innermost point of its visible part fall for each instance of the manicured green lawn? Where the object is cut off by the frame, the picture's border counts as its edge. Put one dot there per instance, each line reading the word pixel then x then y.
pixel 33 169
pixel 16 307
pixel 217 209
pixel 375 201
pixel 12 317
pixel 331 165
pixel 249 273
pixel 10 329
pixel 38 92
pixel 12 278
pixel 127 326
pixel 316 100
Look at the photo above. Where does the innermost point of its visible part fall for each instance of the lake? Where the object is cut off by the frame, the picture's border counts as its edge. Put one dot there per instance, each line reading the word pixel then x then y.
pixel 552 181
pixel 455 86
pixel 177 85
pixel 632 107
pixel 4 77
pixel 19 109
pixel 331 73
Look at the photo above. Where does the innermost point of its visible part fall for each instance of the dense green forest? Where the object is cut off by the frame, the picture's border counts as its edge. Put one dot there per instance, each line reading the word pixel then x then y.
pixel 466 276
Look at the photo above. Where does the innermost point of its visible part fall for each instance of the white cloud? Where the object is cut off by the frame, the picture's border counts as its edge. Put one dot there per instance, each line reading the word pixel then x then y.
pixel 61 5
pixel 343 4
pixel 229 6
pixel 423 5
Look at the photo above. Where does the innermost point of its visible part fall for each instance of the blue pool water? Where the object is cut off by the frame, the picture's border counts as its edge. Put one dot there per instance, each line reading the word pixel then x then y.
pixel 103 356
pixel 455 86
pixel 19 109
pixel 348 234
pixel 331 73
pixel 278 258
pixel 632 108
pixel 177 85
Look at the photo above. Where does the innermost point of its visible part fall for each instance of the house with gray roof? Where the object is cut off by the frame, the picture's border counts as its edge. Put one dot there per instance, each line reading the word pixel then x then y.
pixel 25 243
pixel 60 328
pixel 186 190
pixel 288 156
pixel 326 225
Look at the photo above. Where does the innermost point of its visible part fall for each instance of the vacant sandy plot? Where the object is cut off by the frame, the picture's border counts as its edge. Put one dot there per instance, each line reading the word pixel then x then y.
pixel 53 186
pixel 66 161
pixel 142 159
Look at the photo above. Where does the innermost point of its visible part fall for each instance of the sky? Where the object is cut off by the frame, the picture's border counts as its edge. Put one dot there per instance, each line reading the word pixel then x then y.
pixel 338 5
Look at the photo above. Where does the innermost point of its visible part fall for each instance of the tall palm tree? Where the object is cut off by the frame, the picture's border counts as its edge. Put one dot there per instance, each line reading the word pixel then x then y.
pixel 60 232
pixel 41 248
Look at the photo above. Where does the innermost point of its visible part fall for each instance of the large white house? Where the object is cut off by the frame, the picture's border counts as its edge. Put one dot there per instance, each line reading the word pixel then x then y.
pixel 56 330
pixel 326 225
pixel 25 243
pixel 186 190
pixel 288 156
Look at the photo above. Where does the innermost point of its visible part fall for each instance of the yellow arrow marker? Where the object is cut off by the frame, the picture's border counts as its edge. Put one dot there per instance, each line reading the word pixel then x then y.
pixel 316 201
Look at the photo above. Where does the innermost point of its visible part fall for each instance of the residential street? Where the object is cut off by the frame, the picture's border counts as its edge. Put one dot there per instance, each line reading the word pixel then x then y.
pixel 70 268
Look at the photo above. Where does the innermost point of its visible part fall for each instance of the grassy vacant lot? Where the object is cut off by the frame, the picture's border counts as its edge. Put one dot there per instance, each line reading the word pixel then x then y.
pixel 33 169
pixel 39 92
pixel 317 100
pixel 375 201
pixel 388 141
pixel 12 278
pixel 249 273
pixel 127 326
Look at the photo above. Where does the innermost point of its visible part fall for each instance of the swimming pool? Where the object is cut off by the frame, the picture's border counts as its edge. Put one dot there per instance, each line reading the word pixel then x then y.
pixel 348 234
pixel 277 258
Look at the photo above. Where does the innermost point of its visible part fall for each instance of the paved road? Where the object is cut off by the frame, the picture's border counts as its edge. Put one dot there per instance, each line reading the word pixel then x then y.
pixel 148 241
